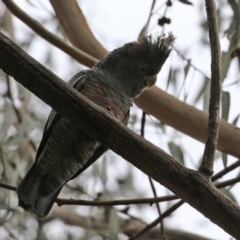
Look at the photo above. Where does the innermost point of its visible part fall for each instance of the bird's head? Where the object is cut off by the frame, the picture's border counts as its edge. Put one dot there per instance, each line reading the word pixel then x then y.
pixel 135 65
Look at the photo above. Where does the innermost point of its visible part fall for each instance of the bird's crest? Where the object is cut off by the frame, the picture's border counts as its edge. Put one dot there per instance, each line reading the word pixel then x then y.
pixel 161 46
pixel 147 48
pixel 161 43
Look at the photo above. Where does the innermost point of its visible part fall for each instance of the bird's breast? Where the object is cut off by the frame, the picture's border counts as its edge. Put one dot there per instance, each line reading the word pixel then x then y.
pixel 106 98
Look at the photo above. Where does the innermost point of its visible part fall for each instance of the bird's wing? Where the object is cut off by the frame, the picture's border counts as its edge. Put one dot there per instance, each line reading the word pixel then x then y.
pixel 77 82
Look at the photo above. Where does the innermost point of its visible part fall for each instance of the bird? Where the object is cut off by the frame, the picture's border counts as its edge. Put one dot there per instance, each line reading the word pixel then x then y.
pixel 66 150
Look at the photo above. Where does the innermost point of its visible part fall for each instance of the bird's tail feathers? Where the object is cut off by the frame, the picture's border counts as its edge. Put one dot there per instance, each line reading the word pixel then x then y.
pixel 32 195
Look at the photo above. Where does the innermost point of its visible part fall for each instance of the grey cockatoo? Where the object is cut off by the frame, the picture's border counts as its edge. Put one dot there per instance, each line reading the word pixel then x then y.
pixel 66 150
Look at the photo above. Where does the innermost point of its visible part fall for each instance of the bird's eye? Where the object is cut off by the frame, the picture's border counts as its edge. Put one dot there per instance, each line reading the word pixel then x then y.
pixel 143 69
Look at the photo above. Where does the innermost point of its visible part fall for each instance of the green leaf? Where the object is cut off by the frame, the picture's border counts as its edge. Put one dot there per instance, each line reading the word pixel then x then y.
pixel 187 67
pixel 104 176
pixel 227 192
pixel 113 225
pixel 169 78
pixel 185 2
pixel 226 60
pixel 9 118
pixel 224 159
pixel 206 96
pixel 235 20
pixel 202 89
pixel 225 105
pixel 234 122
pixel 176 152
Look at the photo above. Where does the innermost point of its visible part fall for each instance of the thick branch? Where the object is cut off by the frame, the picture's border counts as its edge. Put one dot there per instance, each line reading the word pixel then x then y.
pixel 75 53
pixel 70 16
pixel 213 121
pixel 190 185
pixel 190 120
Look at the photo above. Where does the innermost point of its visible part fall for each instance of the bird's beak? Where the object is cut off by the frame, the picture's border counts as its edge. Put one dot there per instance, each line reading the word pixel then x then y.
pixel 150 80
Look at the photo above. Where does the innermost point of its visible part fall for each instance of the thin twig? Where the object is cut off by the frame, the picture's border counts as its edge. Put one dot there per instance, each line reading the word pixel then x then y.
pixel 145 27
pixel 175 207
pixel 61 201
pixel 191 64
pixel 155 222
pixel 226 170
pixel 143 120
pixel 75 53
pixel 6 186
pixel 227 183
pixel 213 121
pixel 164 15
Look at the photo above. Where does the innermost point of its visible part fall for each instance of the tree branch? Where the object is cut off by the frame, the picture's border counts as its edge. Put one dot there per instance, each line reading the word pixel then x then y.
pixel 75 53
pixel 215 92
pixel 61 201
pixel 143 121
pixel 70 16
pixel 146 25
pixel 190 185
pixel 190 120
pixel 228 182
pixel 159 219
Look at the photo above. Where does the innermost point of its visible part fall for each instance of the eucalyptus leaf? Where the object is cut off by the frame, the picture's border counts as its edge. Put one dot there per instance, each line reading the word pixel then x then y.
pixel 185 2
pixel 224 159
pixel 8 168
pixel 225 105
pixel 202 89
pixel 234 122
pixel 236 17
pixel 176 152
pixel 104 176
pixel 226 60
pixel 227 192
pixel 113 225
pixel 9 118
pixel 187 67
pixel 169 78
pixel 206 96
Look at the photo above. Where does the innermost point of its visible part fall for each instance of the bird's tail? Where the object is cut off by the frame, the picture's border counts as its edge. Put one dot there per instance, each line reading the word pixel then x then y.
pixel 33 196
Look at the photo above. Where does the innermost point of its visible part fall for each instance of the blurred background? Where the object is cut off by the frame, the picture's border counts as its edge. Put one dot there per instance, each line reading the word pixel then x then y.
pixel 185 75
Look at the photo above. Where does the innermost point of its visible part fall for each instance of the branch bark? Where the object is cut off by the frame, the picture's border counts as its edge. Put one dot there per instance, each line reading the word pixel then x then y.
pixel 190 120
pixel 190 185
pixel 75 53
pixel 215 92
pixel 70 16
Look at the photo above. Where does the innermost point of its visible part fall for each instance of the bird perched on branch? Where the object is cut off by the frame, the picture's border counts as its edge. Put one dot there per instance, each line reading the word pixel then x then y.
pixel 67 150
